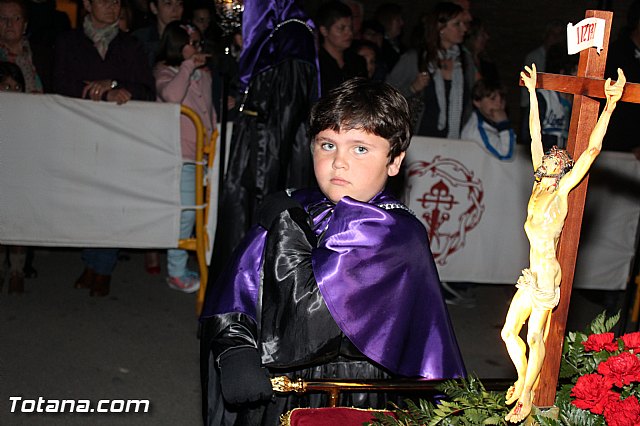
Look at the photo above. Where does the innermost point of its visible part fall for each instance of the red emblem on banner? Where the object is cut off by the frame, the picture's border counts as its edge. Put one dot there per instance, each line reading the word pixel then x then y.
pixel 450 200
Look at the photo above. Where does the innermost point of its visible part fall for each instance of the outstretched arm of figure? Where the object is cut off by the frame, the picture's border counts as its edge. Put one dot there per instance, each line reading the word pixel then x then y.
pixel 613 93
pixel 529 78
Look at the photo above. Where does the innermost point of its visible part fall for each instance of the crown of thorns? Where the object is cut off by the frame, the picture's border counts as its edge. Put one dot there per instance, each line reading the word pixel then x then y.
pixel 566 163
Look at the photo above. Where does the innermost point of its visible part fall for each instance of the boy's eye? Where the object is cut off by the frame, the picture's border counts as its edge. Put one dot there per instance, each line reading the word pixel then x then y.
pixel 327 146
pixel 361 150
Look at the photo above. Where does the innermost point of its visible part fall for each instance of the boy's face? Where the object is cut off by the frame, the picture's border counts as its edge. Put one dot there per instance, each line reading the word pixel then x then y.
pixel 489 104
pixel 353 163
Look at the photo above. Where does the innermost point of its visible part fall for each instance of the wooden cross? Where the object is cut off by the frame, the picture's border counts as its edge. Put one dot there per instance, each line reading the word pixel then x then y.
pixel 586 85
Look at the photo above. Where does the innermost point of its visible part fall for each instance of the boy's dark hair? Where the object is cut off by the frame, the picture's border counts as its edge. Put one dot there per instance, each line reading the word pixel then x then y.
pixel 174 37
pixel 371 106
pixel 9 69
pixel 330 12
pixel 484 87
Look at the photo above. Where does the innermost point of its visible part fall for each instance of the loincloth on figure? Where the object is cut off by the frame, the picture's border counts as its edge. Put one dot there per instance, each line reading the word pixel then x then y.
pixel 540 298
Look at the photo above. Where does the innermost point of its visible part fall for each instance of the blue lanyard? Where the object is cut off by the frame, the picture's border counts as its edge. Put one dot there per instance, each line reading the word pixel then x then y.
pixel 487 144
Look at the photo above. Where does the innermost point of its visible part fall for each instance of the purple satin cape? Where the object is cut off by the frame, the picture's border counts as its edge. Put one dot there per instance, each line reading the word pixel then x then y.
pixel 265 44
pixel 376 273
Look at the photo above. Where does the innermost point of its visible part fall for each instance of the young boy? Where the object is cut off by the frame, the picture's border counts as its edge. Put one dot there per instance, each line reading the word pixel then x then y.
pixel 332 283
pixel 488 124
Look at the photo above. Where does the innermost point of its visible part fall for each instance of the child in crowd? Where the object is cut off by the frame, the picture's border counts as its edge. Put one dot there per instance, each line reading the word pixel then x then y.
pixel 335 282
pixel 182 78
pixel 489 124
pixel 368 51
pixel 12 80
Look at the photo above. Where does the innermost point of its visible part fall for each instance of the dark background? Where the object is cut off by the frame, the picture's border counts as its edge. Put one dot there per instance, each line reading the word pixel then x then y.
pixel 515 27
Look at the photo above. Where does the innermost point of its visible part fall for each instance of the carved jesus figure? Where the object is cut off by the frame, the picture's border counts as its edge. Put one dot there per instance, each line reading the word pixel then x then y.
pixel 539 285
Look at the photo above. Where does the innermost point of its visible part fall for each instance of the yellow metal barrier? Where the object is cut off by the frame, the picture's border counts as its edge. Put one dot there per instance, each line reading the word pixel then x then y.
pixel 200 242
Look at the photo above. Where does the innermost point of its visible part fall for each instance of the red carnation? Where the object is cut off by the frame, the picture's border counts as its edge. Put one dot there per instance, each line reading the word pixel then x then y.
pixel 598 342
pixel 621 369
pixel 631 340
pixel 623 413
pixel 592 393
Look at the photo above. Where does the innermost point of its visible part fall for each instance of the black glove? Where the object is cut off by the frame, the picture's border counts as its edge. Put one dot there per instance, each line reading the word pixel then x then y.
pixel 272 206
pixel 242 378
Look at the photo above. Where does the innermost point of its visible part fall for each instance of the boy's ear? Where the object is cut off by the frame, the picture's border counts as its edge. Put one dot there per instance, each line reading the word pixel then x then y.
pixel 153 8
pixel 394 167
pixel 323 31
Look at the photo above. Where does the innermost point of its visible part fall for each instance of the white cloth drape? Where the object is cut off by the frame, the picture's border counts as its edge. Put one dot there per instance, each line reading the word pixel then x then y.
pixel 475 206
pixel 88 174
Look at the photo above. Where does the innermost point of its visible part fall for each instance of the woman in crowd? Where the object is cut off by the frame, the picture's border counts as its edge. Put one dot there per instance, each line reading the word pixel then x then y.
pixel 14 46
pixel 435 76
pixel 181 77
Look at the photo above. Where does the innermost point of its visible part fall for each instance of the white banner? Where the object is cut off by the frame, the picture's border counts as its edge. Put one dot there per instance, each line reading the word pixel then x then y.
pixel 88 174
pixel 474 207
pixel 585 34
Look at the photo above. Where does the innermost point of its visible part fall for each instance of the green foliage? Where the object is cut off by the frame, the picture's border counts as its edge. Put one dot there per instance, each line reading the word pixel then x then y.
pixel 575 361
pixel 602 324
pixel 467 403
pixel 570 415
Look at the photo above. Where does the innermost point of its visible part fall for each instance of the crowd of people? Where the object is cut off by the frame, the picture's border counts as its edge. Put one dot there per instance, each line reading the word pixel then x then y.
pixel 444 72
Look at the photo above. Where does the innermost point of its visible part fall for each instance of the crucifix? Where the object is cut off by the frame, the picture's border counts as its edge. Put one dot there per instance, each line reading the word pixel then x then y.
pixel 588 84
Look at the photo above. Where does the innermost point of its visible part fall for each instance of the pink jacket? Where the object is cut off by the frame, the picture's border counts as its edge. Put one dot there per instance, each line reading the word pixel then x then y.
pixel 190 87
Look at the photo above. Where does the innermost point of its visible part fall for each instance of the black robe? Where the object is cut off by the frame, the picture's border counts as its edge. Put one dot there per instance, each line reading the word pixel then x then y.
pixel 269 146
